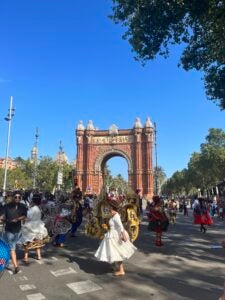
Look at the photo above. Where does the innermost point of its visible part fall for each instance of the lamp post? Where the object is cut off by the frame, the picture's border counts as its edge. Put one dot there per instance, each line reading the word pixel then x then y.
pixel 156 160
pixel 8 119
pixel 35 158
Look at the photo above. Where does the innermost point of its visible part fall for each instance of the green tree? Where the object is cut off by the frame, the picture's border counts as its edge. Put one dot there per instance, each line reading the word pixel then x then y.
pixel 47 174
pixel 159 178
pixel 205 169
pixel 25 165
pixel 114 183
pixel 107 178
pixel 153 25
pixel 212 157
pixel 119 184
pixel 46 180
pixel 67 177
pixel 16 178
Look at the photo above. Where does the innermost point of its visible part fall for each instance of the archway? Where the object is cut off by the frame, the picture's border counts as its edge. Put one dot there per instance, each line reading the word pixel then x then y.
pixel 95 147
pixel 114 170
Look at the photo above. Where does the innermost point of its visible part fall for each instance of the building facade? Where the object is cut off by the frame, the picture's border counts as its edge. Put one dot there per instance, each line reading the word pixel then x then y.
pixel 95 147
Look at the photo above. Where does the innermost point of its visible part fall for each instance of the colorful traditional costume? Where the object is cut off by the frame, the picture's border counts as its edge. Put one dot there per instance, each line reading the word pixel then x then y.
pixel 172 211
pixel 77 217
pixel 158 221
pixel 201 214
pixel 61 227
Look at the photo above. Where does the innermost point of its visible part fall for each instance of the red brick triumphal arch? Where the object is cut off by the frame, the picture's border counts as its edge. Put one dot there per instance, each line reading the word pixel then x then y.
pixel 95 147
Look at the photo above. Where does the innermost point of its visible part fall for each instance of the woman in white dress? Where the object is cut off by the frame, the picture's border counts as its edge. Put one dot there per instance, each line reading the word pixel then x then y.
pixel 34 228
pixel 116 245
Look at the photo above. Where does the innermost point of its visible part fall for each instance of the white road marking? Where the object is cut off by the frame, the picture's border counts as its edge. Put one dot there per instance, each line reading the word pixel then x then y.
pixel 23 278
pixel 38 296
pixel 82 287
pixel 63 272
pixel 27 287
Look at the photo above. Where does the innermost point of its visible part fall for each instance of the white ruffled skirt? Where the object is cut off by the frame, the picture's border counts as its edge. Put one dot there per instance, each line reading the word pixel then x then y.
pixel 32 230
pixel 113 249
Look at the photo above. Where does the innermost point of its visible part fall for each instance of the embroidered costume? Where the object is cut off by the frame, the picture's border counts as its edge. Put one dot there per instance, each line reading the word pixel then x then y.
pixel 158 221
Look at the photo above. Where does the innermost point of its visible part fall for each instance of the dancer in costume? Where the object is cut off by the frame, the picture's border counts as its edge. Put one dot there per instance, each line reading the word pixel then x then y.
pixel 34 232
pixel 116 245
pixel 158 221
pixel 201 215
pixel 61 227
pixel 172 207
pixel 77 217
pixel 77 211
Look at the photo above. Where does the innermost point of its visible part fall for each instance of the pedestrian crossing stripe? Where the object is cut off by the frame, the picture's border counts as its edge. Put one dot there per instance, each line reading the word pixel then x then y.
pixel 37 296
pixel 27 287
pixel 83 287
pixel 62 272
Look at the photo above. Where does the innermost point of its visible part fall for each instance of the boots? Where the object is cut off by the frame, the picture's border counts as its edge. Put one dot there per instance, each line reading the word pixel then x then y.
pixel 203 229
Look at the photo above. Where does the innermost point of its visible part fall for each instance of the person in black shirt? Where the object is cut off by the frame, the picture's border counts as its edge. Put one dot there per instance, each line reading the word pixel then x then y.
pixel 14 213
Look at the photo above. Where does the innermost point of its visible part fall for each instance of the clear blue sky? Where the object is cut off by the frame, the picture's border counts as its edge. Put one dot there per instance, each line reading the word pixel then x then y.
pixel 65 61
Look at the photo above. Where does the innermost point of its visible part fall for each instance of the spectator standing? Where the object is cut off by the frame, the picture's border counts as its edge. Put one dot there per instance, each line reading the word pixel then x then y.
pixel 14 213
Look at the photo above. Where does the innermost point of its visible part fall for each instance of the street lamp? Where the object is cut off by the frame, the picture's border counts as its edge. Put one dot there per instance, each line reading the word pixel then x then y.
pixel 35 158
pixel 8 119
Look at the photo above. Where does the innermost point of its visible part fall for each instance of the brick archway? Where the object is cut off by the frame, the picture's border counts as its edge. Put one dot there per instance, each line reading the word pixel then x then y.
pixel 95 147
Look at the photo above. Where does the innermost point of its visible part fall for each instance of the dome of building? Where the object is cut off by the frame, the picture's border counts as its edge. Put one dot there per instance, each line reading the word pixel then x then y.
pixel 148 123
pixel 61 158
pixel 34 150
pixel 137 123
pixel 90 125
pixel 80 126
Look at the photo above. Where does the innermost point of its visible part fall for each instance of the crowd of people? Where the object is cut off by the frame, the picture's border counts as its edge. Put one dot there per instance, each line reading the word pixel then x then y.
pixel 32 219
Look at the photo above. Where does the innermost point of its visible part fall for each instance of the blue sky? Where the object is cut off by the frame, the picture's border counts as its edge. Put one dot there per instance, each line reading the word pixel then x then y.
pixel 65 61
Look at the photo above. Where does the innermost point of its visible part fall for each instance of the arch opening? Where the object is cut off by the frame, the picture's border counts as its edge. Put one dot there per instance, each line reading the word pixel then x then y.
pixel 115 174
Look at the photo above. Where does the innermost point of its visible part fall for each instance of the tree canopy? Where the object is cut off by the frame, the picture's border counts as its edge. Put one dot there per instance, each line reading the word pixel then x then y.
pixel 153 25
pixel 114 183
pixel 205 168
pixel 47 169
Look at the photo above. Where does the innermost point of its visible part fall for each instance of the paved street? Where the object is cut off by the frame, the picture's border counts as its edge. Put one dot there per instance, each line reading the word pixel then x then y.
pixel 186 267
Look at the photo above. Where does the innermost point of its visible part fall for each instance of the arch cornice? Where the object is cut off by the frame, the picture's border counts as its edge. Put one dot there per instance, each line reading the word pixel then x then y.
pixel 112 152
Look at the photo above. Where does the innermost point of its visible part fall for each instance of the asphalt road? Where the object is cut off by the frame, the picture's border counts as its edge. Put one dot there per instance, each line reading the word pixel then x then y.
pixel 185 268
